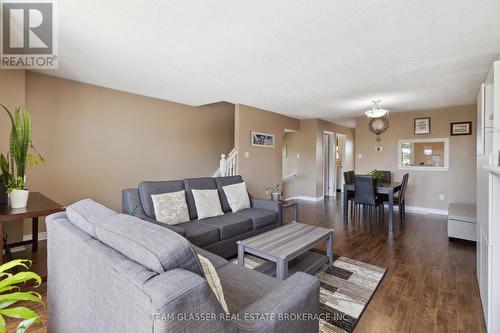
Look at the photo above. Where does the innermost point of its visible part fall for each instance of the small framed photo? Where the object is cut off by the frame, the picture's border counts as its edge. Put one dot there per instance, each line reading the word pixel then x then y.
pixel 262 140
pixel 422 125
pixel 462 128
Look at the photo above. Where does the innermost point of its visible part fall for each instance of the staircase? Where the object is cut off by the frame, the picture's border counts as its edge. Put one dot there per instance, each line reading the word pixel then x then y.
pixel 227 166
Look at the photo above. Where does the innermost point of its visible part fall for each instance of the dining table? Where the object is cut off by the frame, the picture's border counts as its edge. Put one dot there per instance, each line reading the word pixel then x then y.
pixel 382 188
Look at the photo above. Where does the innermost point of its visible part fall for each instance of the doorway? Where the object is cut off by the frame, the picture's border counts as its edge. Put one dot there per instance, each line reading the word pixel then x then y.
pixel 328 164
pixel 340 161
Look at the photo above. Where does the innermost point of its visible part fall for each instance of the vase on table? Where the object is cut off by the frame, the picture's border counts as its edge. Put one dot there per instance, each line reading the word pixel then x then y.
pixel 19 198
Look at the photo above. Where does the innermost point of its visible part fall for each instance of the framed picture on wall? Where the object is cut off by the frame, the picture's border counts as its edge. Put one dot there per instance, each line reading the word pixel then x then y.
pixel 462 128
pixel 258 139
pixel 422 125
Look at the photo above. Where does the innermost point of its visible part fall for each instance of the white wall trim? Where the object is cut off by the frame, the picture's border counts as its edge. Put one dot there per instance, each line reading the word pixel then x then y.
pixel 305 198
pixel 41 236
pixel 424 210
pixel 410 209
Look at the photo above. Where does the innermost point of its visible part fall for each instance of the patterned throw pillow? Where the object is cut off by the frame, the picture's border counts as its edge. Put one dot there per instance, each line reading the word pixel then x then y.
pixel 207 203
pixel 237 196
pixel 171 208
pixel 213 281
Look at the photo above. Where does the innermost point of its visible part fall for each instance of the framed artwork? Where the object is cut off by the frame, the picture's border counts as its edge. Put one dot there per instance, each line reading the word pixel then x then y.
pixel 422 125
pixel 462 128
pixel 262 140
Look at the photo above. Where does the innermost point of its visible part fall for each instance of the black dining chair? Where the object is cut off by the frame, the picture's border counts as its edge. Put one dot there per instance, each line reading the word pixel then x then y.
pixel 400 198
pixel 386 178
pixel 349 179
pixel 365 195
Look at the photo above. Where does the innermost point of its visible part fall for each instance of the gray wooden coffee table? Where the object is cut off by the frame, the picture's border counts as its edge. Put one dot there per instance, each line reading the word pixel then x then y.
pixel 287 249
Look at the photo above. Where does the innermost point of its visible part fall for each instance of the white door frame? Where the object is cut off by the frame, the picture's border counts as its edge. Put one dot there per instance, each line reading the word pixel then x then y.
pixel 331 167
pixel 342 148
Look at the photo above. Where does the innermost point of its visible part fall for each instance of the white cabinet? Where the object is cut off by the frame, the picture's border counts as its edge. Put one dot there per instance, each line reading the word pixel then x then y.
pixel 488 199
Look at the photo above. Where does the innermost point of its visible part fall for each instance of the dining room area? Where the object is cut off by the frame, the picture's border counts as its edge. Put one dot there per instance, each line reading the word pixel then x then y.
pixel 367 196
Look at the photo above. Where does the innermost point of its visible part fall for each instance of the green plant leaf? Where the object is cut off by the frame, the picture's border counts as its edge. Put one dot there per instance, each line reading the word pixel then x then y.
pixel 14 263
pixel 21 312
pixel 20 277
pixel 20 296
pixel 2 324
pixel 25 324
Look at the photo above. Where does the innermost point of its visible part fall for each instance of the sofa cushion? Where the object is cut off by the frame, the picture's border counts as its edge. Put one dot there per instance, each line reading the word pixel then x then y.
pixel 243 286
pixel 207 203
pixel 148 244
pixel 213 281
pixel 224 181
pixel 206 183
pixel 87 214
pixel 260 217
pixel 217 261
pixel 200 234
pixel 147 188
pixel 229 224
pixel 237 196
pixel 171 208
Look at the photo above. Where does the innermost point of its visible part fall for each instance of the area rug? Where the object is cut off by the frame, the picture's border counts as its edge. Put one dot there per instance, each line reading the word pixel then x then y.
pixel 344 292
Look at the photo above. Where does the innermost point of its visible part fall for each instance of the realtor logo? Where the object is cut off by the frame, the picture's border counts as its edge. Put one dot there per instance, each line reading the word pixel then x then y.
pixel 28 35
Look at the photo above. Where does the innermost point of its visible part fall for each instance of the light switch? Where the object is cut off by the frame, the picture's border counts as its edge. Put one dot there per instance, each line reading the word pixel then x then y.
pixel 441 197
pixel 298 156
pixel 247 154
pixel 360 156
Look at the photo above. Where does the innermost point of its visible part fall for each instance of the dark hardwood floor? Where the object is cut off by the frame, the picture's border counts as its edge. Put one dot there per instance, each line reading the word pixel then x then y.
pixel 430 285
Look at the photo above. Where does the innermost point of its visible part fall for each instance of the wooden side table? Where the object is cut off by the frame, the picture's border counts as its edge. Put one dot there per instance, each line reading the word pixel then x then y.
pixel 292 204
pixel 38 205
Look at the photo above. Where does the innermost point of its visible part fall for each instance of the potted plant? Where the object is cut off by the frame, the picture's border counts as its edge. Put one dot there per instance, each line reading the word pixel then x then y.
pixel 377 175
pixel 22 152
pixel 274 191
pixel 10 294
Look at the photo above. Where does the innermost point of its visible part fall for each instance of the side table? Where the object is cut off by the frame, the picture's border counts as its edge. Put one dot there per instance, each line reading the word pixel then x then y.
pixel 291 204
pixel 38 205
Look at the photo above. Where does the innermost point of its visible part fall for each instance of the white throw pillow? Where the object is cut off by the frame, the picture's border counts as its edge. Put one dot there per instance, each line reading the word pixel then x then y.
pixel 237 196
pixel 213 281
pixel 171 208
pixel 207 203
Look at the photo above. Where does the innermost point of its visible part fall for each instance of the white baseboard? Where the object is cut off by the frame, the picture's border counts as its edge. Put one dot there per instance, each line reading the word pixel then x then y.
pixel 411 209
pixel 41 236
pixel 305 198
pixel 423 210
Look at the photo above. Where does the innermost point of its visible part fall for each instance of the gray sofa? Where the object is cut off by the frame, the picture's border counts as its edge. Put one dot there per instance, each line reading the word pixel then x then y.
pixel 217 234
pixel 111 272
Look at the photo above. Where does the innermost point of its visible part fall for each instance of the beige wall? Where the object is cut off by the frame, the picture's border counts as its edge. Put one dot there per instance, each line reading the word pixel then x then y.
pixel 97 141
pixel 12 94
pixel 424 186
pixel 308 143
pixel 263 167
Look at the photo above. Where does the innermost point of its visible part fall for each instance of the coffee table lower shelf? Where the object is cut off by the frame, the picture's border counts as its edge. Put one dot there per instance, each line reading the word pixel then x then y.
pixel 309 262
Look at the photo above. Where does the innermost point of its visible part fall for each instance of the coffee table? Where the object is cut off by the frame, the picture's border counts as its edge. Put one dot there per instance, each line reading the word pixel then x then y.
pixel 287 249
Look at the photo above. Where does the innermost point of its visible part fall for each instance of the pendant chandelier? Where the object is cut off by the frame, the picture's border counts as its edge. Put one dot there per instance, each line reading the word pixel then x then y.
pixel 376 111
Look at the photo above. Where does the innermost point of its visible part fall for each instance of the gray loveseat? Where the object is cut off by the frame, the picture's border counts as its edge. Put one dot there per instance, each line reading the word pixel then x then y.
pixel 115 273
pixel 217 234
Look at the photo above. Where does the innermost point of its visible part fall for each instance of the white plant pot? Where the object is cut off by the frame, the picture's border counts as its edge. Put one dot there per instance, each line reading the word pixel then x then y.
pixel 19 198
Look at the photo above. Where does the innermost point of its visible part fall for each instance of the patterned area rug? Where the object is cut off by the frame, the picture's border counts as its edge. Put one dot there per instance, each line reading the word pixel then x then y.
pixel 344 292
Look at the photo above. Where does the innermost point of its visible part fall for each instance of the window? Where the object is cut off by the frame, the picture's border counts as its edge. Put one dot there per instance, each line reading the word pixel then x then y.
pixel 423 154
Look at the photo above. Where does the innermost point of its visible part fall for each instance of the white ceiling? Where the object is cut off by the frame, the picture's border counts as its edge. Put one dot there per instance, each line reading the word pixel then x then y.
pixel 322 58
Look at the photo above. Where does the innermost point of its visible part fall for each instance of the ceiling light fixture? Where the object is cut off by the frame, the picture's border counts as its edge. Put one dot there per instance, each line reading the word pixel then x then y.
pixel 376 111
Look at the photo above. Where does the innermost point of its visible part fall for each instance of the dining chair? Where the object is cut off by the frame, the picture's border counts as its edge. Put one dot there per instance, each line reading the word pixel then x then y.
pixel 365 196
pixel 349 179
pixel 386 178
pixel 400 198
